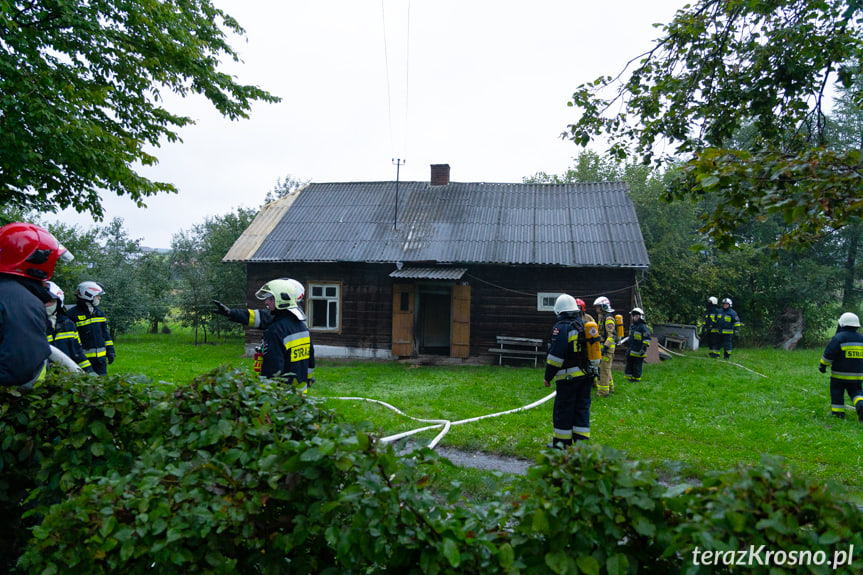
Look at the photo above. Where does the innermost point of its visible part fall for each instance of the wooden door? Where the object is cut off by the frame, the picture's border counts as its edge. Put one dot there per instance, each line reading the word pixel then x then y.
pixel 403 320
pixel 460 342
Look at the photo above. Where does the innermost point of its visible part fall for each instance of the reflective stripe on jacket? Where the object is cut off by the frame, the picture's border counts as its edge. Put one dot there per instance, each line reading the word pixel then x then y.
pixel 564 356
pixel 93 331
pixel 64 337
pixel 639 338
pixel 726 320
pixel 287 348
pixel 844 355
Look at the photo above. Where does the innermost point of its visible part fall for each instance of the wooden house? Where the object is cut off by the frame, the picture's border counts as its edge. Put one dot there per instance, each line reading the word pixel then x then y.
pixel 441 268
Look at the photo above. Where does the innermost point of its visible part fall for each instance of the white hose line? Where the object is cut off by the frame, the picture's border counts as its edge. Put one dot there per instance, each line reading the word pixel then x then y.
pixel 526 407
pixel 446 424
pixel 437 439
pixel 58 356
pixel 710 359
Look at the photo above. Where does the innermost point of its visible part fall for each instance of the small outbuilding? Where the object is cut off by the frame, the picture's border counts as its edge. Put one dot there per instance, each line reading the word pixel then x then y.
pixel 441 269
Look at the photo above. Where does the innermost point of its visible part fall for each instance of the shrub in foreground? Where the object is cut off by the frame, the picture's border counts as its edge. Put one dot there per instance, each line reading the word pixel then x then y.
pixel 231 475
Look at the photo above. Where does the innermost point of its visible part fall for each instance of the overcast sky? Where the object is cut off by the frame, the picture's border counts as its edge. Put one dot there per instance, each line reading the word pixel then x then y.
pixel 480 85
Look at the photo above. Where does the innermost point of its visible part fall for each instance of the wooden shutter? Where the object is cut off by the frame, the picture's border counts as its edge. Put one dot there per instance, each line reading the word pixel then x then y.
pixel 460 341
pixel 403 320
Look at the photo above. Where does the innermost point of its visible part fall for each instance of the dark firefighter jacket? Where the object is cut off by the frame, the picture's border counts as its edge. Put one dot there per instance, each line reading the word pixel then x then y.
pixel 727 321
pixel 95 336
pixel 287 345
pixel 844 355
pixel 567 354
pixel 639 338
pixel 24 349
pixel 64 337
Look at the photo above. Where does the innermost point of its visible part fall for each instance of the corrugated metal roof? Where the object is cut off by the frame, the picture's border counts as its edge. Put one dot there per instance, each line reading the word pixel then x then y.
pixel 429 273
pixel 590 224
pixel 251 239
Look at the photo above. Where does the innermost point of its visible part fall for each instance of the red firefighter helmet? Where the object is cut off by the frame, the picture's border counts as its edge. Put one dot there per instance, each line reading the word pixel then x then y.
pixel 29 251
pixel 581 305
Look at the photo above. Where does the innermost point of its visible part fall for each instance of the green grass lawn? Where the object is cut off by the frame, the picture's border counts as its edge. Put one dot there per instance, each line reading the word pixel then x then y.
pixel 691 410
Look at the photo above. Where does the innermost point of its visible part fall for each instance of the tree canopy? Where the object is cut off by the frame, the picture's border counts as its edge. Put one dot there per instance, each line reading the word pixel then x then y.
pixel 81 94
pixel 736 91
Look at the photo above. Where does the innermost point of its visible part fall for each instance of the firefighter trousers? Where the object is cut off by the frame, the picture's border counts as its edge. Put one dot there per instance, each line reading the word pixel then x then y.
pixel 715 342
pixel 634 365
pixel 838 388
pixel 571 413
pixel 606 380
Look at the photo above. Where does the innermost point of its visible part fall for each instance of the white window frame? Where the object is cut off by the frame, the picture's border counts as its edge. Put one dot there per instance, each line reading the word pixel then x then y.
pixel 317 295
pixel 546 296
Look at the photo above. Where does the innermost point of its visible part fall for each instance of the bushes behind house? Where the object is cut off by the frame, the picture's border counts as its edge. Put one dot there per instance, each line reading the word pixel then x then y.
pixel 229 475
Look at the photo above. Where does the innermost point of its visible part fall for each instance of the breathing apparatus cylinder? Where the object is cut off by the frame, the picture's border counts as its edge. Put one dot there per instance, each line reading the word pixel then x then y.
pixel 618 325
pixel 594 345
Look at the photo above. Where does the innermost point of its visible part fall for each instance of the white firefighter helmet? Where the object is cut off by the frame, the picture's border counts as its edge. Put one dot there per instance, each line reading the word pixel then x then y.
pixel 604 303
pixel 849 319
pixel 55 291
pixel 637 310
pixel 287 293
pixel 727 300
pixel 87 291
pixel 565 303
pixel 712 300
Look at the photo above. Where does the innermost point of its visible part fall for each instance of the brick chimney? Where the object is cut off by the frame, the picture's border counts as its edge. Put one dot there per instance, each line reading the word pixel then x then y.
pixel 439 174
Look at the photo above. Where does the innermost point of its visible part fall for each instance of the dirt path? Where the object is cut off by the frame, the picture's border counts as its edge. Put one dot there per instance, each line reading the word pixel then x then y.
pixel 485 461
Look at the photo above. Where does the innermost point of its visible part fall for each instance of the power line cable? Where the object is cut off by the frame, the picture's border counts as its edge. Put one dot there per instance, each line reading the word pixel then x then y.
pixel 407 78
pixel 389 84
pixel 387 72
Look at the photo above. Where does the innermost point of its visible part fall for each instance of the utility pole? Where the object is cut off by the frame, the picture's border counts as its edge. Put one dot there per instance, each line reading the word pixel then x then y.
pixel 398 163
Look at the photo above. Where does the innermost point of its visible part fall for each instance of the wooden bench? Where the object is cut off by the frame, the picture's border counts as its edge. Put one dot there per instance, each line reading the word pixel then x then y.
pixel 518 348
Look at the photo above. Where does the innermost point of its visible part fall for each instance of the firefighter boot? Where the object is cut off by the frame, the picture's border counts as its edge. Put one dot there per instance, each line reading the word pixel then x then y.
pixel 840 414
pixel 858 406
pixel 557 443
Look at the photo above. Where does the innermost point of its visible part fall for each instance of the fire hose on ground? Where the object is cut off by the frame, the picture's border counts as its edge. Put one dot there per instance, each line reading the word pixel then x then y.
pixel 448 424
pixel 437 423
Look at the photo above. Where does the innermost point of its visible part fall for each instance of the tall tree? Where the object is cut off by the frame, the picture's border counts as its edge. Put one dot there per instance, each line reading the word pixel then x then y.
pixel 154 277
pixel 845 132
pixel 195 290
pixel 722 65
pixel 116 268
pixel 81 100
pixel 197 258
pixel 228 280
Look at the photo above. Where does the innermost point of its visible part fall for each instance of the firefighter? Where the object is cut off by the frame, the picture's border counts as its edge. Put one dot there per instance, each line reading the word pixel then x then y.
pixel 28 255
pixel 93 326
pixel 844 355
pixel 63 334
pixel 639 341
pixel 286 346
pixel 586 317
pixel 608 335
pixel 727 326
pixel 568 366
pixel 711 332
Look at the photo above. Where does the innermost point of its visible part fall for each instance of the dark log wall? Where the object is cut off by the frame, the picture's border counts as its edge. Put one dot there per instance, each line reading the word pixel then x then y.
pixel 366 299
pixel 503 298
